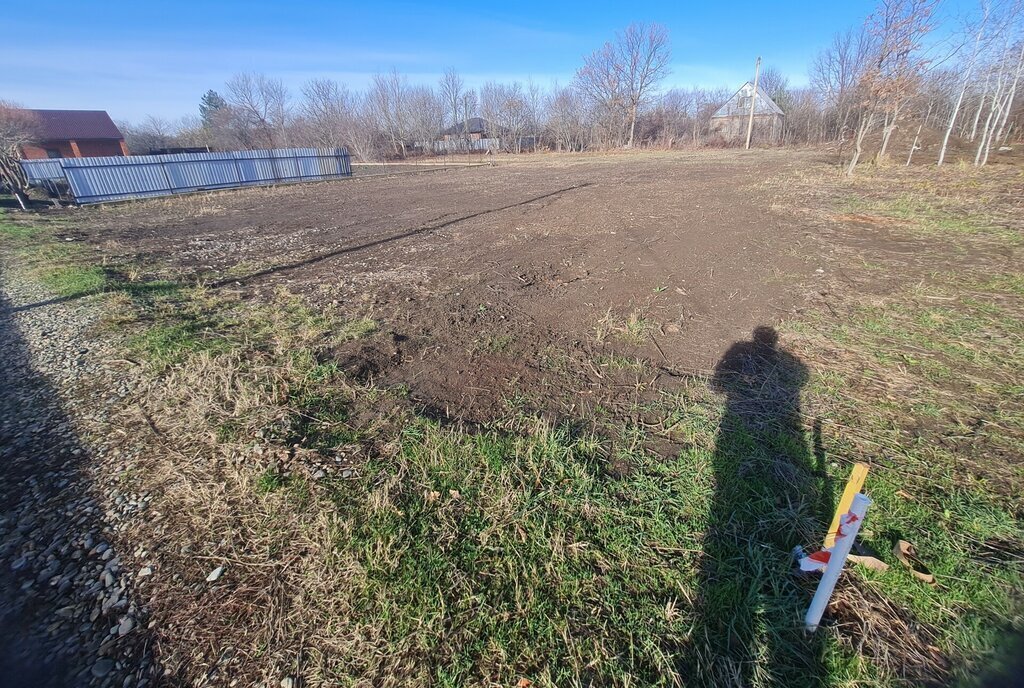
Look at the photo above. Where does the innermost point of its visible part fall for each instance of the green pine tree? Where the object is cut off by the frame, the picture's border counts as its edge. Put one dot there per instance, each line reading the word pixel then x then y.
pixel 209 104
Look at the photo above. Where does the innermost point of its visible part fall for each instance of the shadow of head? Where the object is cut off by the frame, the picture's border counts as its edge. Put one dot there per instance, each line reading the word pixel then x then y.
pixel 758 376
pixel 758 355
pixel 766 337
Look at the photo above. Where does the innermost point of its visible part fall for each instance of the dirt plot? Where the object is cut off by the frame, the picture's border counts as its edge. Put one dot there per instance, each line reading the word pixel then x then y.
pixel 479 272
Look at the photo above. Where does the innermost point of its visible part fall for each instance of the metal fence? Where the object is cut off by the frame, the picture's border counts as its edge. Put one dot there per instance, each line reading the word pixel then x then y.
pixel 461 145
pixel 42 170
pixel 95 180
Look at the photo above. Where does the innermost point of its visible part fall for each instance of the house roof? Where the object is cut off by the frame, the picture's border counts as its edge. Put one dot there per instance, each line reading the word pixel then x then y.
pixel 739 105
pixel 474 125
pixel 62 125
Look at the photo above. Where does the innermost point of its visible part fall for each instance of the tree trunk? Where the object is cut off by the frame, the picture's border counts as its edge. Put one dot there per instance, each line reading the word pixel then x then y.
pixel 985 136
pixel 632 125
pixel 887 129
pixel 913 146
pixel 963 90
pixel 12 174
pixel 952 118
pixel 977 115
pixel 1010 98
pixel 988 129
pixel 858 148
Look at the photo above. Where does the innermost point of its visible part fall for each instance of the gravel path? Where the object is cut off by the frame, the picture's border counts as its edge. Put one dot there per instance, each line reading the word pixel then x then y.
pixel 69 585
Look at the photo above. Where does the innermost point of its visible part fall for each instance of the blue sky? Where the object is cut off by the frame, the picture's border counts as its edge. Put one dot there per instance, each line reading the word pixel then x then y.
pixel 139 58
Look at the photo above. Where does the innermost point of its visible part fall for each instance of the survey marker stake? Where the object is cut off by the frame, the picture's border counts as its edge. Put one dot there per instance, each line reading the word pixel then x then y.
pixel 849 526
pixel 853 486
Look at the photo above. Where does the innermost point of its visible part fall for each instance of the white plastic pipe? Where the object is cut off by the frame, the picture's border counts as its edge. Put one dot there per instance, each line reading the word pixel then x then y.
pixel 837 560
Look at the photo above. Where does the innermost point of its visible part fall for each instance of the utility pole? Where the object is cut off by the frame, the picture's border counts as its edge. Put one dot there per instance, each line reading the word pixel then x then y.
pixel 753 102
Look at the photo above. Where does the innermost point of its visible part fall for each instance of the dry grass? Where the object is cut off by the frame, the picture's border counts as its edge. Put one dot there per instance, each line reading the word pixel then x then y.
pixel 633 328
pixel 869 625
pixel 237 488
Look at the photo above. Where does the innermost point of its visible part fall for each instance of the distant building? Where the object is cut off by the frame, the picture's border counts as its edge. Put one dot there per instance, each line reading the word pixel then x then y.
pixel 730 120
pixel 474 129
pixel 74 134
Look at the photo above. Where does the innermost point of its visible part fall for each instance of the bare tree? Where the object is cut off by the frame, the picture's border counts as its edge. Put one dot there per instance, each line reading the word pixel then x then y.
pixel 706 103
pixel 18 128
pixel 774 84
pixel 326 109
pixel 192 131
pixel 451 92
pixel 506 109
pixel 897 29
pixel 260 108
pixel 672 118
pixel 1007 106
pixel 424 116
pixel 387 101
pixel 805 117
pixel 1009 68
pixel 153 133
pixel 900 25
pixel 620 78
pixel 535 107
pixel 644 55
pixel 599 81
pixel 836 73
pixel 329 115
pixel 968 74
pixel 470 107
pixel 362 135
pixel 565 118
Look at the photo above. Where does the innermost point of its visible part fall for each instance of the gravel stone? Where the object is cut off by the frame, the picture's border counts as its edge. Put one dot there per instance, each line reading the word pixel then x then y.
pixel 126 626
pixel 61 551
pixel 102 667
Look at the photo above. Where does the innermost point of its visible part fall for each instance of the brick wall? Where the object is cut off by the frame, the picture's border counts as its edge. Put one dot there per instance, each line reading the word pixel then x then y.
pixel 75 149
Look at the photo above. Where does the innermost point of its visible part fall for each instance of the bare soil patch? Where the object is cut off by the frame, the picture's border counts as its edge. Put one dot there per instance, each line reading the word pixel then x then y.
pixel 477 273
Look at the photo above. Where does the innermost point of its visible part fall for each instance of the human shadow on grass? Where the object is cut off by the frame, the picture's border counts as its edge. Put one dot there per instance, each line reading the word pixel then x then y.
pixel 770 495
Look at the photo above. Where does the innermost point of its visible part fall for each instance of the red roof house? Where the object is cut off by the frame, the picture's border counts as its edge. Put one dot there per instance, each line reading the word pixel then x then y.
pixel 74 134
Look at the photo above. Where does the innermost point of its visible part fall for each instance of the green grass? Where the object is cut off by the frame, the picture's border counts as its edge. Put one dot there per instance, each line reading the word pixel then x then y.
pixel 619 362
pixel 929 216
pixel 632 329
pixel 928 396
pixel 167 344
pixel 484 555
pixel 1010 283
pixel 270 481
pixel 62 267
pixel 18 232
pixel 357 329
pixel 494 343
pixel 75 280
